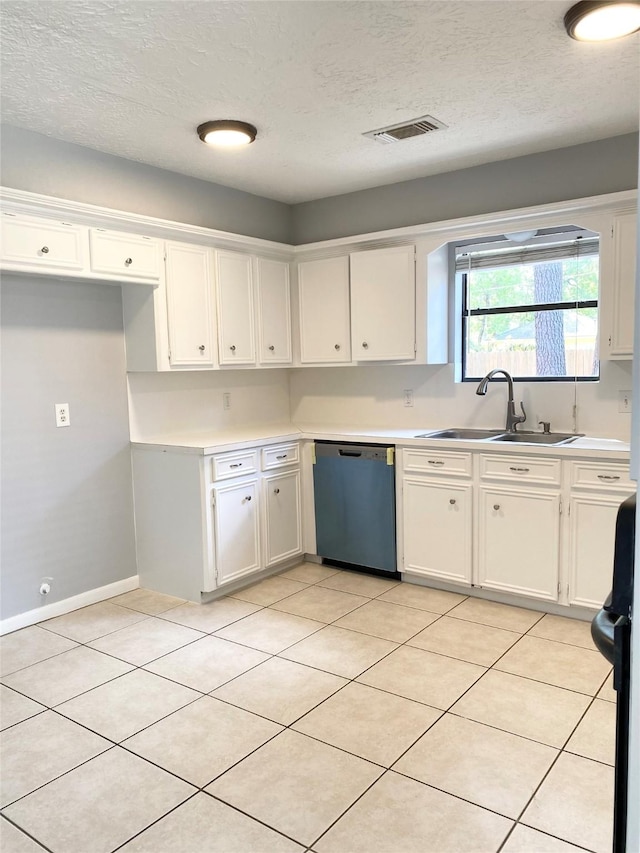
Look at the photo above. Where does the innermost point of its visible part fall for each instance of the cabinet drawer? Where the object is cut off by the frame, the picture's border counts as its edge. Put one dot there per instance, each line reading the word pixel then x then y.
pixel 128 255
pixel 527 469
pixel 440 462
pixel 279 455
pixel 605 476
pixel 37 242
pixel 235 464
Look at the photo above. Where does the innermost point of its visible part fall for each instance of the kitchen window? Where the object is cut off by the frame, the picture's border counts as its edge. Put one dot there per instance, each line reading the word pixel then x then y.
pixel 532 307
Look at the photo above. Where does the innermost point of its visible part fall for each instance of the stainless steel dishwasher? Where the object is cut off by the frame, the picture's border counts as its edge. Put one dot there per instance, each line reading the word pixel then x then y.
pixel 355 504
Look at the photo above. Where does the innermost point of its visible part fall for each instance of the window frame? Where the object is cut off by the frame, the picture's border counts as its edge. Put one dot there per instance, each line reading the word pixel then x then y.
pixel 518 309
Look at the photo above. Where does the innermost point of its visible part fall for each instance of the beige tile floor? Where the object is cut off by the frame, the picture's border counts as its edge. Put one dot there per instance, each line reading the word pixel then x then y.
pixel 319 710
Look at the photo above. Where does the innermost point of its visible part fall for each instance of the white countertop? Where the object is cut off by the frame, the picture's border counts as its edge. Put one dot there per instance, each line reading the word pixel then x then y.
pixel 205 442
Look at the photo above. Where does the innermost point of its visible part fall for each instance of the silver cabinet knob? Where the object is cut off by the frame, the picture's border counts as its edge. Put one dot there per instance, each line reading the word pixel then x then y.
pixel 128 262
pixel 271 348
pixel 232 348
pixel 496 506
pixel 452 501
pixel 337 346
pixel 45 250
pixel 365 345
pixel 247 497
pixel 276 491
pixel 201 347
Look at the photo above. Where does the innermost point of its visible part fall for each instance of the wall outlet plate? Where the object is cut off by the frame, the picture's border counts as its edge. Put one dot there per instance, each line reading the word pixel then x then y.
pixel 226 400
pixel 63 418
pixel 625 401
pixel 408 397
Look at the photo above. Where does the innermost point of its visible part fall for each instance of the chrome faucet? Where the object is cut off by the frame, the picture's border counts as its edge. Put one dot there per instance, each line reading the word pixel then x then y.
pixel 512 419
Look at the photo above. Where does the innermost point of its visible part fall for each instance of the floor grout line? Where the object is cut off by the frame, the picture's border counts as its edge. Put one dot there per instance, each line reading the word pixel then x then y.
pixel 348 681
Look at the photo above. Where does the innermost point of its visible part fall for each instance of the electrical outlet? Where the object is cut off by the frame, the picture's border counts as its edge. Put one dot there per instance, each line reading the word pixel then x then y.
pixel 226 400
pixel 408 397
pixel 63 417
pixel 624 401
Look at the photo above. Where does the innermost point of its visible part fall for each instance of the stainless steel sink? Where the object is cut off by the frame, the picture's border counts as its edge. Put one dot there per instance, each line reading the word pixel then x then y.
pixel 464 434
pixel 537 437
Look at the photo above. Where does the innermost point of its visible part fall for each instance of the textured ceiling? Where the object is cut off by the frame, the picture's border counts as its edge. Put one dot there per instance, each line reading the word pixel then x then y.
pixel 134 79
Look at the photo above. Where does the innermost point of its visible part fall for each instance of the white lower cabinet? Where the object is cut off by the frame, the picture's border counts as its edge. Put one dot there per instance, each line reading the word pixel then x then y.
pixel 519 541
pixel 236 530
pixel 597 490
pixel 592 523
pixel 282 514
pixel 539 527
pixel 205 522
pixel 437 529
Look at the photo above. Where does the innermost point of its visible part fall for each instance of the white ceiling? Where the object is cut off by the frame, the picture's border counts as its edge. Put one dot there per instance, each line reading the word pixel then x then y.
pixel 135 78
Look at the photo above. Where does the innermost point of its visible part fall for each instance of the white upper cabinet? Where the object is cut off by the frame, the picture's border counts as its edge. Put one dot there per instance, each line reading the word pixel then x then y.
pixel 234 297
pixel 324 311
pixel 274 311
pixel 383 314
pixel 189 306
pixel 29 243
pixel 623 284
pixel 125 256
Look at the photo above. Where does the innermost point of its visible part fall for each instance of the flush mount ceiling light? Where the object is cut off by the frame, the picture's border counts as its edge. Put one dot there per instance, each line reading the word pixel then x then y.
pixel 227 133
pixel 601 20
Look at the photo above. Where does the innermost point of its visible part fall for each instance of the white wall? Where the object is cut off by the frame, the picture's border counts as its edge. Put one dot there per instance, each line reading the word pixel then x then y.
pixel 162 403
pixel 373 396
pixel 67 503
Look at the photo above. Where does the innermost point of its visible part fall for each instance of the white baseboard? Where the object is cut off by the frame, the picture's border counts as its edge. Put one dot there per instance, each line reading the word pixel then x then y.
pixel 58 608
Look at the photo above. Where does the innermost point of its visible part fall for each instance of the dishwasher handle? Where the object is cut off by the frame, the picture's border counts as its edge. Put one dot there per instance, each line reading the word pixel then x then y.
pixel 349 452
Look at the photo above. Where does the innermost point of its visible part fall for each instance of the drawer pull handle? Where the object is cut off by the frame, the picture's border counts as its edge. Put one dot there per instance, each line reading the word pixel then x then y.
pixel 236 465
pixel 608 476
pixel 128 262
pixel 201 347
pixel 247 497
pixel 271 348
pixel 232 348
pixel 282 456
pixel 337 346
pixel 452 501
pixel 518 470
pixel 435 461
pixel 276 491
pixel 45 250
pixel 496 507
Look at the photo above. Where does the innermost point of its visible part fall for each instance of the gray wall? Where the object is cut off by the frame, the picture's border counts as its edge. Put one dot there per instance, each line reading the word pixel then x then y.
pixel 39 164
pixel 594 168
pixel 67 508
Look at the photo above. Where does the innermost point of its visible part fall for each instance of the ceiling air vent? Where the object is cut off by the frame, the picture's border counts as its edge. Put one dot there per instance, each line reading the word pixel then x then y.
pixel 406 130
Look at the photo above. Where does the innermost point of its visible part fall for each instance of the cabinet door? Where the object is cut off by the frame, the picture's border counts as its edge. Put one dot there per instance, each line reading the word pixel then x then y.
pixel 283 534
pixel 624 284
pixel 592 525
pixel 325 325
pixel 519 541
pixel 32 242
pixel 383 304
pixel 236 530
pixel 189 305
pixel 274 312
pixel 234 290
pixel 437 529
pixel 124 255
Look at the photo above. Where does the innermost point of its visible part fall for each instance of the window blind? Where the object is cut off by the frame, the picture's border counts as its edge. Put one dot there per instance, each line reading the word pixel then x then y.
pixel 503 254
